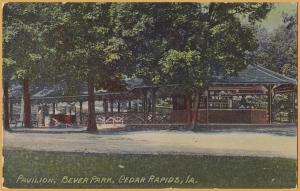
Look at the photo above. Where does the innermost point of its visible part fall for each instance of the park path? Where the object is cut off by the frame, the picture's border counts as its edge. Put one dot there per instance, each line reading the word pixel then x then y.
pixel 158 142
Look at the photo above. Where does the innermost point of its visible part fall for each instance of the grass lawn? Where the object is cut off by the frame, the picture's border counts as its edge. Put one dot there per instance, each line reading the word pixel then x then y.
pixel 61 170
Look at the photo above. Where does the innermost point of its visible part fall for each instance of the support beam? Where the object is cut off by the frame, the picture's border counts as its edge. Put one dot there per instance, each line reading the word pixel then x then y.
pixel 145 108
pixel 174 101
pixel 6 107
pixel 153 104
pixel 11 110
pixel 119 106
pixel 207 107
pixel 104 105
pixel 129 105
pixel 293 107
pixel 111 105
pixel 53 108
pixel 270 103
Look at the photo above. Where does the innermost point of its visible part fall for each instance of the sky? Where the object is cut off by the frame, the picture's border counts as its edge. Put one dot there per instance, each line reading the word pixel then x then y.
pixel 274 18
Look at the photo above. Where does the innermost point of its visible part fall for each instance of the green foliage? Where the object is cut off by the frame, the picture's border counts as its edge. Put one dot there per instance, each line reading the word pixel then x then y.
pixel 193 38
pixel 182 67
pixel 24 51
pixel 277 50
pixel 104 42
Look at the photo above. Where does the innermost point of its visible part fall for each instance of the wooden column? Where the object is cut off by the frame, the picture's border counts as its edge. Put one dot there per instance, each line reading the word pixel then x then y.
pixel 53 108
pixel 269 103
pixel 6 104
pixel 292 106
pixel 111 105
pixel 105 107
pixel 129 105
pixel 145 108
pixel 207 107
pixel 119 106
pixel 174 100
pixel 153 104
pixel 80 112
pixel 188 108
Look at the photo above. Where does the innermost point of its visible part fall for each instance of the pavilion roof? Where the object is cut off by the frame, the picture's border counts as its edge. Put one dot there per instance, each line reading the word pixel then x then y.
pixel 253 74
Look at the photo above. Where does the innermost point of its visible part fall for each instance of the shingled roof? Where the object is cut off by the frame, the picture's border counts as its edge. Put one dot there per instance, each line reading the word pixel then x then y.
pixel 253 74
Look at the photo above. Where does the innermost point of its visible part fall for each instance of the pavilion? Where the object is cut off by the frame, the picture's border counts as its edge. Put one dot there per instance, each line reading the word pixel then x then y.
pixel 246 98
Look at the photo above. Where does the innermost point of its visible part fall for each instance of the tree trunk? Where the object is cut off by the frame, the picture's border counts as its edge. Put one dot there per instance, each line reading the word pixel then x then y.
pixel 6 109
pixel 188 108
pixel 92 126
pixel 195 111
pixel 27 105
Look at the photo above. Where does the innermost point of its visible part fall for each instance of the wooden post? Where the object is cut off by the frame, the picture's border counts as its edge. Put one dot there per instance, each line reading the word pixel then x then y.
pixel 80 112
pixel 53 108
pixel 111 105
pixel 129 105
pixel 174 100
pixel 119 106
pixel 6 107
pixel 292 106
pixel 103 105
pixel 11 110
pixel 207 107
pixel 153 104
pixel 145 108
pixel 269 103
pixel 70 110
pixel 188 108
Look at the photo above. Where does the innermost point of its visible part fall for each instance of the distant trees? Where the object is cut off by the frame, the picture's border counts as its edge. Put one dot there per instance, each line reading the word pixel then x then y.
pixel 277 50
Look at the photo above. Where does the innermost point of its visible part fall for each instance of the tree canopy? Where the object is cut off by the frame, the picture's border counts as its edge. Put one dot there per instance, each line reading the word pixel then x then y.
pixel 161 43
pixel 277 50
pixel 185 42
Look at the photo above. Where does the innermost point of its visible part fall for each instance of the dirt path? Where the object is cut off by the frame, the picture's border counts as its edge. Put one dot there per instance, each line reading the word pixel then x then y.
pixel 155 142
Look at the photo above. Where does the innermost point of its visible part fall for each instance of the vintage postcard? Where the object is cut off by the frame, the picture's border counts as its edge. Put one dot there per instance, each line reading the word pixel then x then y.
pixel 149 95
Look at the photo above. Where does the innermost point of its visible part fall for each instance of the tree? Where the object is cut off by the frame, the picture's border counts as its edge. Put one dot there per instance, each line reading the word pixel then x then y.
pixel 89 50
pixel 25 56
pixel 187 42
pixel 71 42
pixel 277 50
